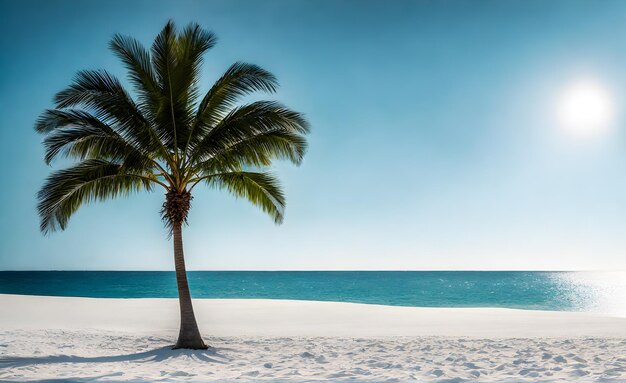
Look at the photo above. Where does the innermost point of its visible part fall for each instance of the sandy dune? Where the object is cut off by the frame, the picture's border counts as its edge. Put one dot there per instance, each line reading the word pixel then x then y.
pixel 79 339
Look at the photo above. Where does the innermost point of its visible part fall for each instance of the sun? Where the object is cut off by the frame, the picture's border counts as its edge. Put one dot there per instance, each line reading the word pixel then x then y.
pixel 585 108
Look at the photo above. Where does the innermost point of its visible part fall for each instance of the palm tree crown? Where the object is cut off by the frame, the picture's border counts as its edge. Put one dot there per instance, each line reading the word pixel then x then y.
pixel 167 135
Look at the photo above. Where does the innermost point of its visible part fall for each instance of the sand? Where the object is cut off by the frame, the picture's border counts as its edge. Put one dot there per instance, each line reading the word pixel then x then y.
pixel 83 339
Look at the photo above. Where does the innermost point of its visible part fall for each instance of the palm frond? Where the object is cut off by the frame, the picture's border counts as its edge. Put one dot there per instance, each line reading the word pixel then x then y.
pixel 261 189
pixel 239 80
pixel 137 60
pixel 177 59
pixel 248 121
pixel 258 151
pixel 66 190
pixel 78 134
pixel 191 44
pixel 103 94
pixel 163 53
pixel 164 63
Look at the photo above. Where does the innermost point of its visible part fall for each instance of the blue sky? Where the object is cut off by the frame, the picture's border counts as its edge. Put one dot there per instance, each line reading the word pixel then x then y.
pixel 434 142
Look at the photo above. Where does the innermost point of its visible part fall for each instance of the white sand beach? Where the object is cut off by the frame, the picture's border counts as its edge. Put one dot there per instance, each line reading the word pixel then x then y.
pixel 84 339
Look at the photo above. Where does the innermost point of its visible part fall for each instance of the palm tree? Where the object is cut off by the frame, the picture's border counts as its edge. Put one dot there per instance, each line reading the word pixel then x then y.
pixel 166 135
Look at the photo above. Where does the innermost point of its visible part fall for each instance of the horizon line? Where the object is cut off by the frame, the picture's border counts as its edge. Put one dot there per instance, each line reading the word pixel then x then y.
pixel 319 270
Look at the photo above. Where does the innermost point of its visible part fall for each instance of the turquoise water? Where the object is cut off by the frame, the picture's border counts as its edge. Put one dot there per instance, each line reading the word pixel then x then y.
pixel 572 291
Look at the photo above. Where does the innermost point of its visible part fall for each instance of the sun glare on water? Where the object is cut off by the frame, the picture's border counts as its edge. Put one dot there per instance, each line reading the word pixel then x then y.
pixel 599 292
pixel 585 108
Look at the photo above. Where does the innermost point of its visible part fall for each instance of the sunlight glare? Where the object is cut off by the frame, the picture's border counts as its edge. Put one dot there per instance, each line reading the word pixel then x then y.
pixel 585 108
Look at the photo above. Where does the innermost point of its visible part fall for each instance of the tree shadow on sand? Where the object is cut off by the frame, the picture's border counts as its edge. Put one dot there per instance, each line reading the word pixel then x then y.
pixel 210 355
pixel 70 380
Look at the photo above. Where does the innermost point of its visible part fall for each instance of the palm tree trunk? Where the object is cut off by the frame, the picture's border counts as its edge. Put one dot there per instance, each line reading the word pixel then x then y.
pixel 189 335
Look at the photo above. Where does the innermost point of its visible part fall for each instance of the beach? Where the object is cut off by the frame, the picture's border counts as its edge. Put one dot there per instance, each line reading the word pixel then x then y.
pixel 313 191
pixel 86 339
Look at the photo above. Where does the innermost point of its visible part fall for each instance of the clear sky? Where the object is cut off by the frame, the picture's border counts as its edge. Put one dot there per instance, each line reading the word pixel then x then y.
pixel 436 142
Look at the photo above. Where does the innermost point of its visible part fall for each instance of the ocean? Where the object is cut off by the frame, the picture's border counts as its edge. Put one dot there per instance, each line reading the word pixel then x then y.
pixel 602 292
